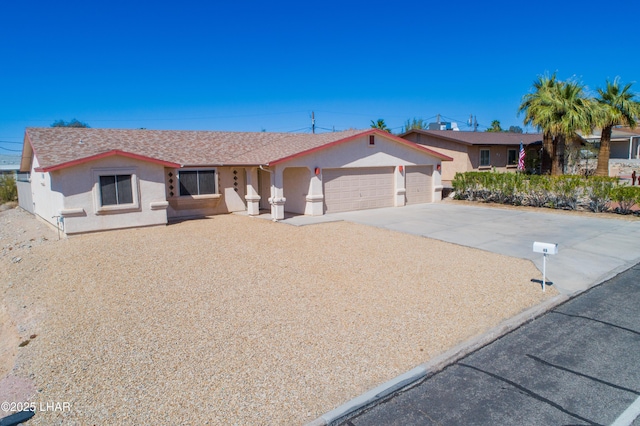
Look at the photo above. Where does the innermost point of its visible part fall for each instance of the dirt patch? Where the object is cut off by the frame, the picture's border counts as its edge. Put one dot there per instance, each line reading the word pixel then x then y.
pixel 240 320
pixel 9 341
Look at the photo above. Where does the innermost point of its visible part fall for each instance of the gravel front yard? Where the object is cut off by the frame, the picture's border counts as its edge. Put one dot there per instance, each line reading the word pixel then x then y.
pixel 234 320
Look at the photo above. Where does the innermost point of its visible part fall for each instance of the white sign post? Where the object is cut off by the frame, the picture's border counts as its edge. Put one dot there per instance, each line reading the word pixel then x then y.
pixel 545 249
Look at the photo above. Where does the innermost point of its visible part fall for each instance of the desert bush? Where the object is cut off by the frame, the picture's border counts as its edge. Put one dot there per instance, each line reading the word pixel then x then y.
pixel 598 190
pixel 561 192
pixel 8 189
pixel 565 191
pixel 537 191
pixel 626 197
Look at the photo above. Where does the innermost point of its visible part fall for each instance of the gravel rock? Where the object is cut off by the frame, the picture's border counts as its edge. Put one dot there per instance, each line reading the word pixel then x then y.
pixel 239 320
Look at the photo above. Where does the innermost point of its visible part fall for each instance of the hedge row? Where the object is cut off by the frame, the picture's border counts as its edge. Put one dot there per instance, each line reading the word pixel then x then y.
pixel 568 192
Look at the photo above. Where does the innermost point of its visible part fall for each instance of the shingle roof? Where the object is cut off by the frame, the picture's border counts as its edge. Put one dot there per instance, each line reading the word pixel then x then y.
pixel 59 147
pixel 482 138
pixel 616 133
pixel 56 145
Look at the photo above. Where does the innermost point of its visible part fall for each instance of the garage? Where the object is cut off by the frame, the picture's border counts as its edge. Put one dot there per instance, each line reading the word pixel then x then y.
pixel 347 189
pixel 418 184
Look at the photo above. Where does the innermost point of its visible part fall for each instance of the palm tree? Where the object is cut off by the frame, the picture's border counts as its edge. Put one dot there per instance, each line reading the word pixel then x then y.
pixel 537 109
pixel 495 127
pixel 559 109
pixel 380 124
pixel 616 107
pixel 574 112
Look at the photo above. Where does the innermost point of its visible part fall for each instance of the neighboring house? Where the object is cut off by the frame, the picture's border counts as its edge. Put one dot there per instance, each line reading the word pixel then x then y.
pixel 625 142
pixel 9 165
pixel 98 179
pixel 476 150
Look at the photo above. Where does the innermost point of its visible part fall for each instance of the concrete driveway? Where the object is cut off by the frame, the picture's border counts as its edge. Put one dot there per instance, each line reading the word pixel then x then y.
pixel 591 248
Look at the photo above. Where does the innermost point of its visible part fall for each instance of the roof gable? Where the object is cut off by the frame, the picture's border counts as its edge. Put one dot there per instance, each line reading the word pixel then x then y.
pixel 104 155
pixel 377 132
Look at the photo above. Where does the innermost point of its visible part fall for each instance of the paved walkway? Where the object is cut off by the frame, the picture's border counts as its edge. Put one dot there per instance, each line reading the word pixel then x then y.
pixel 591 249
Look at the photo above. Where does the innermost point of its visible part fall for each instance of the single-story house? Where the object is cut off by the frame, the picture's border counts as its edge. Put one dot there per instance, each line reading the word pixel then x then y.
pixel 625 142
pixel 9 165
pixel 475 150
pixel 84 179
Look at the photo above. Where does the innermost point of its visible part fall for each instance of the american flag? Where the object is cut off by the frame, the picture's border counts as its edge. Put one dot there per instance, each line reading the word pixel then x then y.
pixel 521 157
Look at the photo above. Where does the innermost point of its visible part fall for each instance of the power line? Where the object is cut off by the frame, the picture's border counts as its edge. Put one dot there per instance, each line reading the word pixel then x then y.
pixel 12 150
pixel 16 143
pixel 175 119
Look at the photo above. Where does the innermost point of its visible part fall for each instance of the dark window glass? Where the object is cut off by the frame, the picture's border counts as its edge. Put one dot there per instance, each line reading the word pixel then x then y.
pixel 116 190
pixel 188 183
pixel 485 157
pixel 108 190
pixel 197 182
pixel 124 189
pixel 207 182
pixel 512 157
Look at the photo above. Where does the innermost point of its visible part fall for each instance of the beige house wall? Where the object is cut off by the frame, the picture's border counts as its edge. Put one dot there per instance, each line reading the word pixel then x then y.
pixel 47 203
pixel 230 195
pixel 297 181
pixel 498 155
pixel 457 151
pixel 465 157
pixel 79 187
pixel 355 153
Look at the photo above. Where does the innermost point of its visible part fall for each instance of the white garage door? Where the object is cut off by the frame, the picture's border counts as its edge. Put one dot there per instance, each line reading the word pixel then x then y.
pixel 418 184
pixel 357 188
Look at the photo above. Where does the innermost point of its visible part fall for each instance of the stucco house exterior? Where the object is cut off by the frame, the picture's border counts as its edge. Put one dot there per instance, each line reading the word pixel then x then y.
pixel 9 165
pixel 625 142
pixel 475 150
pixel 85 180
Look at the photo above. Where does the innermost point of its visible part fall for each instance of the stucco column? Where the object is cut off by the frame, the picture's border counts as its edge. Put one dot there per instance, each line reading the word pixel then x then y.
pixel 252 197
pixel 437 182
pixel 401 189
pixel 315 197
pixel 277 199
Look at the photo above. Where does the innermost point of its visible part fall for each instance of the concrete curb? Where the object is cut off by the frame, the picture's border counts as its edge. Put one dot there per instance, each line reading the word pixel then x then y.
pixel 440 362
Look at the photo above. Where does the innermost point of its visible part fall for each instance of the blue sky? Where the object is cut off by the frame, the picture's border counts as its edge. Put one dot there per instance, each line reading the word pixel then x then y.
pixel 249 66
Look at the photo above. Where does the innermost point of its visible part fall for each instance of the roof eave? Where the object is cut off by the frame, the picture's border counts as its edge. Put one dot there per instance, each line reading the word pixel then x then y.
pixel 105 155
pixel 27 153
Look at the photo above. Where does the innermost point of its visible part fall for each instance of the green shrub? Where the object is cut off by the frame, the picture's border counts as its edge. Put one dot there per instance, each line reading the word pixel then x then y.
pixel 537 191
pixel 560 192
pixel 566 190
pixel 626 197
pixel 599 193
pixel 8 189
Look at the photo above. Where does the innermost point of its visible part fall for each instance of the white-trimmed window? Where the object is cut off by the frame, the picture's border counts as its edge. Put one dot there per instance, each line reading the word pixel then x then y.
pixel 512 157
pixel 485 157
pixel 197 182
pixel 115 190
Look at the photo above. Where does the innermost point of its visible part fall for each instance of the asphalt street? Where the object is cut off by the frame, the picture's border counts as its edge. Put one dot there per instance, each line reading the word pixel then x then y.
pixel 578 364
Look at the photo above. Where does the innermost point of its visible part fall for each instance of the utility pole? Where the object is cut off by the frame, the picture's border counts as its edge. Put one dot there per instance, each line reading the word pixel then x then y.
pixel 313 122
pixel 475 123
